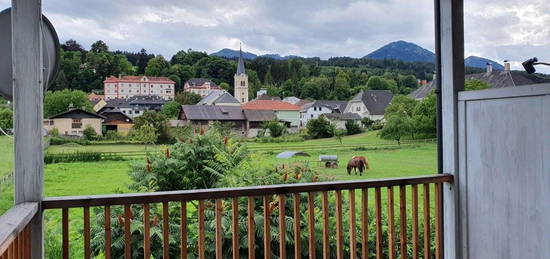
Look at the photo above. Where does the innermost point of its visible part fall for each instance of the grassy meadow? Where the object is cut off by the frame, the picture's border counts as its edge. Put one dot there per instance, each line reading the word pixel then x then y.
pixel 386 159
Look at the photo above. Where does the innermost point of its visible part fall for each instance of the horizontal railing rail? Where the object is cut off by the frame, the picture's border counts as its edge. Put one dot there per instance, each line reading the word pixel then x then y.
pixel 15 231
pixel 218 193
pixel 223 223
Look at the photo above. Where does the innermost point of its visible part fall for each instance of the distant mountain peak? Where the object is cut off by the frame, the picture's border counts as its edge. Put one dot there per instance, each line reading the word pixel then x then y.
pixel 403 50
pixel 479 62
pixel 230 53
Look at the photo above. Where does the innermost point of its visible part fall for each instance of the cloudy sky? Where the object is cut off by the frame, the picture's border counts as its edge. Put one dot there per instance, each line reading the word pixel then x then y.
pixel 496 29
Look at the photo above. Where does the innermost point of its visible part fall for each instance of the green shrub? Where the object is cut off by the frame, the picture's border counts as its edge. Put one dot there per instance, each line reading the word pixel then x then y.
pixel 54 133
pixel 78 156
pixel 320 128
pixel 352 128
pixel 89 133
pixel 276 129
pixel 63 140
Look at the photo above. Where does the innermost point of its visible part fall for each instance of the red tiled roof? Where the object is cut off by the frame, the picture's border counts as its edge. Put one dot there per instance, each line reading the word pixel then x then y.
pixel 137 79
pixel 95 97
pixel 270 105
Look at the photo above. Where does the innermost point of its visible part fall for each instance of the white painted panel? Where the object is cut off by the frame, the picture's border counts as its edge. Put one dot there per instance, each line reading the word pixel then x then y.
pixel 506 194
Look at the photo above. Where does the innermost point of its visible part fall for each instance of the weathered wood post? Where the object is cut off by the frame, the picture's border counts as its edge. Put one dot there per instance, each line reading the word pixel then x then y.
pixel 27 101
pixel 450 23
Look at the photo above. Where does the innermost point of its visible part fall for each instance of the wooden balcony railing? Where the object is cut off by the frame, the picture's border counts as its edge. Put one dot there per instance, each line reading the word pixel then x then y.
pixel 302 222
pixel 15 234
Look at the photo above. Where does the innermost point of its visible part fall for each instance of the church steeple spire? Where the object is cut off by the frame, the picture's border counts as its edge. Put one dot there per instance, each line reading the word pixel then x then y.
pixel 241 80
pixel 240 66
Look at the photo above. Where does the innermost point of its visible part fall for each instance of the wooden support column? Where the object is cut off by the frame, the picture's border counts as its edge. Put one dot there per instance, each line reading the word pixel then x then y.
pixel 450 28
pixel 27 99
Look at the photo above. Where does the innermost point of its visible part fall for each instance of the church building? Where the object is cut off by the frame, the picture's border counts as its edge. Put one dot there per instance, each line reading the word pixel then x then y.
pixel 241 81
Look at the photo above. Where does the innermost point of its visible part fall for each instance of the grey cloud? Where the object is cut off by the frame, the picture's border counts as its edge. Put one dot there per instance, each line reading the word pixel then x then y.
pixel 495 29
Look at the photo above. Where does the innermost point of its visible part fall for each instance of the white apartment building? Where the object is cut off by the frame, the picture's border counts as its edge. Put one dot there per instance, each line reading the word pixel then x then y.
pixel 129 86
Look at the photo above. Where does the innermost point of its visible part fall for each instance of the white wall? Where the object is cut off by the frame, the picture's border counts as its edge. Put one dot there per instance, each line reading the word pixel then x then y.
pixel 504 172
pixel 312 113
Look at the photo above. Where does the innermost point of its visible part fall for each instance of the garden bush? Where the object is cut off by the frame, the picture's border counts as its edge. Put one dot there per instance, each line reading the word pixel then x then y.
pixel 79 156
pixel 352 128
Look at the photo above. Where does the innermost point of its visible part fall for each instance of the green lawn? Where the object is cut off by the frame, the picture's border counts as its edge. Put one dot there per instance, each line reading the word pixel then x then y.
pixel 6 155
pixel 112 176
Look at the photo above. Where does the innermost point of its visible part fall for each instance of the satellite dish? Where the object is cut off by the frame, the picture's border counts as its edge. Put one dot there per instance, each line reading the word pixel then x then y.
pixel 50 53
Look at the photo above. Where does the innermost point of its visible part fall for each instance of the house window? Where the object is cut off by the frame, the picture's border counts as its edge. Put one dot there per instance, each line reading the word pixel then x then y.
pixel 130 112
pixel 48 122
pixel 358 108
pixel 311 116
pixel 168 91
pixel 77 124
pixel 242 83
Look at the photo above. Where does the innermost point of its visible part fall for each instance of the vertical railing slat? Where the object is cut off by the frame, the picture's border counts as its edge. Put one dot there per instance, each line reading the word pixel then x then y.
pixel 251 233
pixel 65 232
pixel 219 229
pixel 438 216
pixel 107 232
pixel 165 231
pixel 415 221
pixel 378 205
pixel 391 225
pixel 326 245
pixel 127 233
pixel 365 223
pixel 339 226
pixel 282 227
pixel 311 224
pixel 202 242
pixel 183 230
pixel 352 234
pixel 146 231
pixel 403 221
pixel 87 233
pixel 235 227
pixel 267 228
pixel 427 221
pixel 297 225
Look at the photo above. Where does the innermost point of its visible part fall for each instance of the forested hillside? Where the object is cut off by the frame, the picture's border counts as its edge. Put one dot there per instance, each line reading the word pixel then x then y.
pixel 335 78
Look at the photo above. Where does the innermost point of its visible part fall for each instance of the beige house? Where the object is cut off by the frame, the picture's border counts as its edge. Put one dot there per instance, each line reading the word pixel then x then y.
pixel 73 122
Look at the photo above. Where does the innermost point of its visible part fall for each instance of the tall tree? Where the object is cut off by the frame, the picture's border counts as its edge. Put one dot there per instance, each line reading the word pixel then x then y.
pixel 157 66
pixel 99 46
pixel 60 101
pixel 72 45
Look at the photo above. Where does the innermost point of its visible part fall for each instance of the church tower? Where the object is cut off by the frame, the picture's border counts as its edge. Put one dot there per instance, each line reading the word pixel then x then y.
pixel 241 81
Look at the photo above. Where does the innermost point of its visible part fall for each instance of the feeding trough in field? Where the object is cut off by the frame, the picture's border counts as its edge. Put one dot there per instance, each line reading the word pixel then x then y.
pixel 328 161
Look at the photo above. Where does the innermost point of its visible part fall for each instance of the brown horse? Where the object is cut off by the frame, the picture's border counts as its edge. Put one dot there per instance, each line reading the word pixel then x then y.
pixel 364 159
pixel 355 164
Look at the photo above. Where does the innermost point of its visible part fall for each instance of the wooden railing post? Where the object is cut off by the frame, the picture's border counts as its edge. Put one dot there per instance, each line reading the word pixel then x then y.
pixel 27 100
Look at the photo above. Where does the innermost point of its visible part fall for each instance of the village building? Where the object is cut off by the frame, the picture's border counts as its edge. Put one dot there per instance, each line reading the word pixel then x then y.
pixel 134 106
pixel 371 104
pixel 495 79
pixel 339 119
pixel 255 120
pixel 285 112
pixel 123 87
pixel 73 122
pixel 116 120
pixel 222 98
pixel 292 99
pixel 201 86
pixel 241 81
pixel 319 107
pixel 200 116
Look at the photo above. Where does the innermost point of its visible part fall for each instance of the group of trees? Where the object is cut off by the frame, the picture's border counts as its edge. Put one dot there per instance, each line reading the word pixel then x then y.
pixel 407 117
pixel 335 78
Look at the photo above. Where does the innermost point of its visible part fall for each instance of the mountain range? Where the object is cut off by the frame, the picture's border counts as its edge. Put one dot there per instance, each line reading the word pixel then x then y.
pixel 398 50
